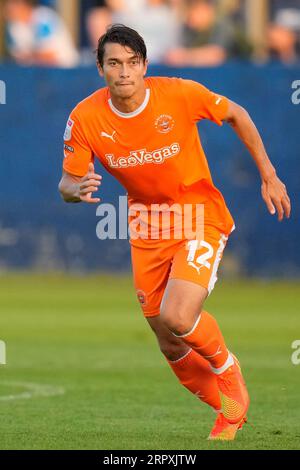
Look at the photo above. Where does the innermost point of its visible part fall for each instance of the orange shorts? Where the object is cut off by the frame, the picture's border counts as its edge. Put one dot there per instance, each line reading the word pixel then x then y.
pixel 157 261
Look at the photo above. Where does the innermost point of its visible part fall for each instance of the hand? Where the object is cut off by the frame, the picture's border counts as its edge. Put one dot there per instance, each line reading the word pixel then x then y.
pixel 88 185
pixel 275 195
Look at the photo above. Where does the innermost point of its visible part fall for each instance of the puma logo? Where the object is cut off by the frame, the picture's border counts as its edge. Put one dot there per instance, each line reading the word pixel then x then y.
pixel 108 136
pixel 219 351
pixel 193 265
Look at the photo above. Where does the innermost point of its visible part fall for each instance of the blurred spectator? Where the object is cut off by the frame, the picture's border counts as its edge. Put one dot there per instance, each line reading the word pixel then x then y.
pixel 208 39
pixel 276 5
pixel 155 20
pixel 104 14
pixel 284 35
pixel 37 36
pixel 97 20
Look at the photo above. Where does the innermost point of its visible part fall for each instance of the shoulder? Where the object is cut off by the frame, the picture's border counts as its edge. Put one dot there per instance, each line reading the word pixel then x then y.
pixel 164 84
pixel 171 85
pixel 90 105
pixel 192 89
pixel 191 85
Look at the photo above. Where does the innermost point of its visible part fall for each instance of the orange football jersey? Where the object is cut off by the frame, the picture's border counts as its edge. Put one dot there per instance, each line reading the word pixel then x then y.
pixel 154 152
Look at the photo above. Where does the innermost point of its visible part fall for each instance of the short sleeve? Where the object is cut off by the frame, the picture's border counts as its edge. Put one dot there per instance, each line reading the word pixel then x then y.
pixel 203 103
pixel 77 152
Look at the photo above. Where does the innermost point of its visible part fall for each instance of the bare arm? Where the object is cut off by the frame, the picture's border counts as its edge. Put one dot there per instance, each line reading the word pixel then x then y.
pixel 274 192
pixel 76 189
pixel 43 57
pixel 204 56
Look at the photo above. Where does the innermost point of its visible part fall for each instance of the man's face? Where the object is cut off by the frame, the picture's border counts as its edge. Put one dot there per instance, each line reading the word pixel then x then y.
pixel 123 71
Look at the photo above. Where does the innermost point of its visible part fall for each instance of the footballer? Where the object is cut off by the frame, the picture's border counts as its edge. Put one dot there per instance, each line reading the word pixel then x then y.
pixel 143 130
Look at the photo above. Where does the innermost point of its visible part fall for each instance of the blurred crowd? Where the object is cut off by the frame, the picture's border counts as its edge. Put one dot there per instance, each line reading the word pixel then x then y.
pixel 177 32
pixel 36 35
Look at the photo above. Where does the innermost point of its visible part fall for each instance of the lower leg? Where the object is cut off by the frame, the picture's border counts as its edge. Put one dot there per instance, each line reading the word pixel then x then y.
pixel 195 374
pixel 192 371
pixel 207 340
pixel 182 314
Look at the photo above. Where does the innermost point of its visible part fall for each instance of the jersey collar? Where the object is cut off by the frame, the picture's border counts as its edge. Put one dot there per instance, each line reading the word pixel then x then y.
pixel 138 111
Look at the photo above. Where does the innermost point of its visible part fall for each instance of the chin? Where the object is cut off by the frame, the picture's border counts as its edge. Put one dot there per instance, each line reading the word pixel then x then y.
pixel 126 93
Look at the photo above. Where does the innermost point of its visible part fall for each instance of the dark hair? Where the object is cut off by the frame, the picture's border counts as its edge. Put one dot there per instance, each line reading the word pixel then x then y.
pixel 121 34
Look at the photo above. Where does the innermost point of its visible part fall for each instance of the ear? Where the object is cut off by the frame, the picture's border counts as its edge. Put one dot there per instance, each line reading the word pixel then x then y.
pixel 146 66
pixel 100 70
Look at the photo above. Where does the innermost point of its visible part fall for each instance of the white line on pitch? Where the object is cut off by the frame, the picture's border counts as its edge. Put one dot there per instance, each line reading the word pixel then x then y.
pixel 32 390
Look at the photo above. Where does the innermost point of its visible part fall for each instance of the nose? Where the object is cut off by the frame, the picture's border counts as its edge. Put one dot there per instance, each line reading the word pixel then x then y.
pixel 124 73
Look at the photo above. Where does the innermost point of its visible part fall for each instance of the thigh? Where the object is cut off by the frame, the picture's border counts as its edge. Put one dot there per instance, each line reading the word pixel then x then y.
pixel 151 265
pixel 197 261
pixel 182 305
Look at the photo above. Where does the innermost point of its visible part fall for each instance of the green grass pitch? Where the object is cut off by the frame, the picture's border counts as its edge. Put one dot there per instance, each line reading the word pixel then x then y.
pixel 84 371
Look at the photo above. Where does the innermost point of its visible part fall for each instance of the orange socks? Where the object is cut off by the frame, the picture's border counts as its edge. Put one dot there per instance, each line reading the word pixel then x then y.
pixel 206 339
pixel 195 374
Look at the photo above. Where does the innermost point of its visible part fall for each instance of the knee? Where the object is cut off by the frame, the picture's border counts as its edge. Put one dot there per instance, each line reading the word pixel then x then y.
pixel 173 350
pixel 180 319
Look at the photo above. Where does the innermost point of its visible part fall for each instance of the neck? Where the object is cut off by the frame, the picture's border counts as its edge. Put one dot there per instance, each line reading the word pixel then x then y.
pixel 129 105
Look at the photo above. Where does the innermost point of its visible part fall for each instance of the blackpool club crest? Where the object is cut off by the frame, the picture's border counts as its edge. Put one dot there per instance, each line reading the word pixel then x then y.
pixel 164 124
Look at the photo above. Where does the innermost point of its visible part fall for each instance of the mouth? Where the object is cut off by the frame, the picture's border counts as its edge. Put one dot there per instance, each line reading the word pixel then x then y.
pixel 124 84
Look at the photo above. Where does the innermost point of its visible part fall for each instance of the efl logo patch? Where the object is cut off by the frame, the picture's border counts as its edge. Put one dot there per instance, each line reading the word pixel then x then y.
pixel 68 131
pixel 142 297
pixel 164 124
